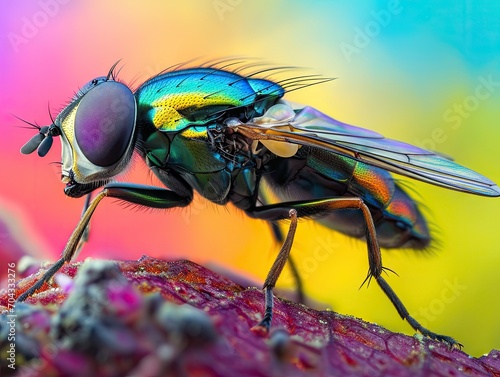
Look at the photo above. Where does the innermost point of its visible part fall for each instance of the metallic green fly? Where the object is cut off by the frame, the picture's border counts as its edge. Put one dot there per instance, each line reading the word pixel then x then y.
pixel 233 138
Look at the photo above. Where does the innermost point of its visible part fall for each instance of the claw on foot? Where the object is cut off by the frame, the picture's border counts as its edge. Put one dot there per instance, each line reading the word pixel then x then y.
pixel 262 329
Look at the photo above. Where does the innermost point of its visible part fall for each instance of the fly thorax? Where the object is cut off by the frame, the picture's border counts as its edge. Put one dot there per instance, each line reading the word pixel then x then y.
pixel 237 149
pixel 156 148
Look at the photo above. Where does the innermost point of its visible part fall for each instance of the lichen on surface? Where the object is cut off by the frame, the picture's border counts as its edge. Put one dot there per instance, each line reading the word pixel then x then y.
pixel 157 318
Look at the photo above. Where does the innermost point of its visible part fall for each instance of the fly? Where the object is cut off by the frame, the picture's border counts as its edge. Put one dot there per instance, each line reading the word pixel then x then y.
pixel 234 139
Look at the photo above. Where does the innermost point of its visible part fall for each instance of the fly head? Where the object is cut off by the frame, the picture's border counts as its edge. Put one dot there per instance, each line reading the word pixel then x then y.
pixel 98 132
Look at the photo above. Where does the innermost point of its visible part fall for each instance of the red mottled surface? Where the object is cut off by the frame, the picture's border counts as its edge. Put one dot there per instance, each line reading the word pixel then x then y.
pixel 146 335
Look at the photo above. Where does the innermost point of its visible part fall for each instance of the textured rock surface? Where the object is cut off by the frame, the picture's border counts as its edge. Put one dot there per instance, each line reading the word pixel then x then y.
pixel 129 318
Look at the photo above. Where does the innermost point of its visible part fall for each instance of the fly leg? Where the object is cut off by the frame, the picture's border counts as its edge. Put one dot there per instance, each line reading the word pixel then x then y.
pixel 86 232
pixel 275 272
pixel 149 196
pixel 309 208
pixel 299 286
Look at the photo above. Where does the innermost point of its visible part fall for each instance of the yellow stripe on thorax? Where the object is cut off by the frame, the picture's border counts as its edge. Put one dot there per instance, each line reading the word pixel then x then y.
pixel 166 109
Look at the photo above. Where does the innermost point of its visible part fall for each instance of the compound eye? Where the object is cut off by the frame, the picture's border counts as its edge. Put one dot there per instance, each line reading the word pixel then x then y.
pixel 105 122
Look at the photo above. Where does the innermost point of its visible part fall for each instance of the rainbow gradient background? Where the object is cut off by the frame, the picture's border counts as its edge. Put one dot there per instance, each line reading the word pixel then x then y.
pixel 402 69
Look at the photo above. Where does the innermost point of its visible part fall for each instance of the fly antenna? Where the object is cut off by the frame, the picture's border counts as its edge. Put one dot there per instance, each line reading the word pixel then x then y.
pixel 43 140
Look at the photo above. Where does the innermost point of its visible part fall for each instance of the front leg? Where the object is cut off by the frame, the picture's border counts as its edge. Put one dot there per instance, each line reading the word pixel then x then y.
pixel 86 232
pixel 149 196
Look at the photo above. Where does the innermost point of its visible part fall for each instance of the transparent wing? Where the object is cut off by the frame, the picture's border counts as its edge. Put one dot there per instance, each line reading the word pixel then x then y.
pixel 310 127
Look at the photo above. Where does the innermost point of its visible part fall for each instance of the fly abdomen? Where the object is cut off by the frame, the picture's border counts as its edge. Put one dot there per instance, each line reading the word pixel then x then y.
pixel 398 220
pixel 315 174
pixel 402 224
